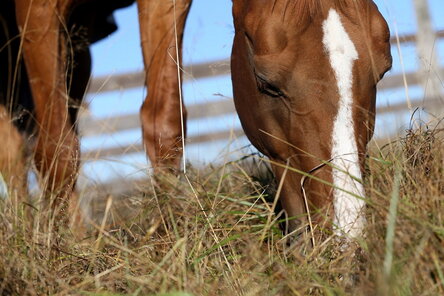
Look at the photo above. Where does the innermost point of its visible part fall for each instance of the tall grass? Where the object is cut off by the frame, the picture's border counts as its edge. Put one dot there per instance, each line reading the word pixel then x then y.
pixel 215 233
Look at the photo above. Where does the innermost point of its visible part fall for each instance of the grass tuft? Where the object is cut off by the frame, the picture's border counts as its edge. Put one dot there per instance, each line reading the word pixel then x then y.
pixel 216 233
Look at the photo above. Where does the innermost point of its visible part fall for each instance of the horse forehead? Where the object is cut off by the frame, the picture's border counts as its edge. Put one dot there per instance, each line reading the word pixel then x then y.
pixel 267 27
pixel 272 33
pixel 286 47
pixel 267 37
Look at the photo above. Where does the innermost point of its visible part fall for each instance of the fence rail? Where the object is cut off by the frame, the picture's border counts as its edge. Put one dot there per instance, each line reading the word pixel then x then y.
pixel 90 127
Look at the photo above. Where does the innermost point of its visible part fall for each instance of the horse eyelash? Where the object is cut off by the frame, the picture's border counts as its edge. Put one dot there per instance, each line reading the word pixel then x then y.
pixel 268 89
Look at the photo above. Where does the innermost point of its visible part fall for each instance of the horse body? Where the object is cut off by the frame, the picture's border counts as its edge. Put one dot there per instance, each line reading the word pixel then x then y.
pixel 304 80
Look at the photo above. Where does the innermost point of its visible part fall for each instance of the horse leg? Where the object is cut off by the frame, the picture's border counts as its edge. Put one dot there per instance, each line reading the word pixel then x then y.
pixel 44 50
pixel 12 164
pixel 161 25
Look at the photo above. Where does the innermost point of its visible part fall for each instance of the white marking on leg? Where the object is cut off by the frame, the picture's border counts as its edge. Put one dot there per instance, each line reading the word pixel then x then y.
pixel 349 218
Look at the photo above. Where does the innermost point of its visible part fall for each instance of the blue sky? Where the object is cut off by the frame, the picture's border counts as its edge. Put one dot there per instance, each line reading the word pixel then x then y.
pixel 208 37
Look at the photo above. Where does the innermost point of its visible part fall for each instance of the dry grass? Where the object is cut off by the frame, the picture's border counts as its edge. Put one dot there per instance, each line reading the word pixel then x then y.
pixel 211 235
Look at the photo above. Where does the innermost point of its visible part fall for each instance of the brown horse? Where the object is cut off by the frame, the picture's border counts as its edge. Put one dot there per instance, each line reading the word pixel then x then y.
pixel 54 75
pixel 304 77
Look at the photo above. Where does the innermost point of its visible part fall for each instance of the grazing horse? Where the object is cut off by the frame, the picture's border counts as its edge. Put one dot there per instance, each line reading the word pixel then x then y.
pixel 43 92
pixel 304 79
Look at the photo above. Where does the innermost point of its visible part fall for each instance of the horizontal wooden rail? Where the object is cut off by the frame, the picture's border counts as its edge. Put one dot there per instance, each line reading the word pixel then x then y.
pixel 412 37
pixel 430 104
pixel 115 82
pixel 397 80
pixel 98 154
pixel 94 127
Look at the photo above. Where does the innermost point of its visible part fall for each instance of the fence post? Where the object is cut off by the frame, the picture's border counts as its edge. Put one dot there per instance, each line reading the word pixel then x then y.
pixel 429 71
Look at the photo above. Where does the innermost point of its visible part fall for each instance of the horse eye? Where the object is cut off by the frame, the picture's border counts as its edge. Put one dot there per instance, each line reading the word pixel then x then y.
pixel 268 89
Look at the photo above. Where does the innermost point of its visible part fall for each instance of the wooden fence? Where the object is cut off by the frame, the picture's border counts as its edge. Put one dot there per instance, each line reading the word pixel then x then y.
pixel 91 127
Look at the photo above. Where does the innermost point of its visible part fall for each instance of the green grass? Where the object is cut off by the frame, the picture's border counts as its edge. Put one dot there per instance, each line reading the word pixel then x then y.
pixel 216 234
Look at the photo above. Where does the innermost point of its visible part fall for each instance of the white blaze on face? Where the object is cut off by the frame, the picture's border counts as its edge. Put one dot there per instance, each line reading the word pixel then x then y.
pixel 349 219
